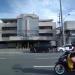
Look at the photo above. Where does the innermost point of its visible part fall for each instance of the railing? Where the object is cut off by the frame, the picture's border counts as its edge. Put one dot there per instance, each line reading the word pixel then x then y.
pixel 9 25
pixel 5 39
pixel 45 38
pixel 9 31
pixel 39 38
pixel 45 31
pixel 27 38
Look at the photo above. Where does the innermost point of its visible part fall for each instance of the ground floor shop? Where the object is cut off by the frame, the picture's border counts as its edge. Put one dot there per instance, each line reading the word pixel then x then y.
pixel 27 44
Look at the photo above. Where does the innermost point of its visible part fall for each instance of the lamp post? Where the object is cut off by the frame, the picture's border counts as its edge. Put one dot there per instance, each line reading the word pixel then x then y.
pixel 61 23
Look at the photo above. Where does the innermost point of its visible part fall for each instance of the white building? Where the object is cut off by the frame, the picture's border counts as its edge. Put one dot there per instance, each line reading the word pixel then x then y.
pixel 69 33
pixel 26 31
pixel 47 31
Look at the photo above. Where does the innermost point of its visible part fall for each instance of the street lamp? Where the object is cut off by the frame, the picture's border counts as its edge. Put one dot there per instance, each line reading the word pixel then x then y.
pixel 61 19
pixel 61 22
pixel 65 16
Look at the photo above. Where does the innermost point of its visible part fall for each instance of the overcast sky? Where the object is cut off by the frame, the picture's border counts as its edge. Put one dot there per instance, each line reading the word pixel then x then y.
pixel 45 9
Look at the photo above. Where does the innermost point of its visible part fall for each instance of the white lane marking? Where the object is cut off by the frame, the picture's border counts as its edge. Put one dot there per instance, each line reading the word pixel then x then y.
pixel 3 58
pixel 11 53
pixel 43 66
pixel 48 58
pixel 42 58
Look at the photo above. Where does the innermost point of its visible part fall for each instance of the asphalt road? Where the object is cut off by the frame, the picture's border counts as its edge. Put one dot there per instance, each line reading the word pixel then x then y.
pixel 28 63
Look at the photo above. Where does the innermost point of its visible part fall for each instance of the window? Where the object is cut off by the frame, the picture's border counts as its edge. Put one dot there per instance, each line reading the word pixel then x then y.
pixel 47 34
pixel 45 27
pixel 7 35
pixel 9 28
pixel 50 27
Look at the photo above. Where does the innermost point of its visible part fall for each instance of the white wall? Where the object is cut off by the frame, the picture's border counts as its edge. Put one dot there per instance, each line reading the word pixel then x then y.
pixel 1 24
pixel 53 24
pixel 70 25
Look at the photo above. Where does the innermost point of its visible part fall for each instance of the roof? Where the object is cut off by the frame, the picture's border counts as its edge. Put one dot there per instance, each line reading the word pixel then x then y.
pixel 28 15
pixel 9 20
pixel 46 20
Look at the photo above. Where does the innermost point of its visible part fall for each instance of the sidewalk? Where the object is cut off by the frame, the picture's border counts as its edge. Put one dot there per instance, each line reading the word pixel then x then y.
pixel 14 50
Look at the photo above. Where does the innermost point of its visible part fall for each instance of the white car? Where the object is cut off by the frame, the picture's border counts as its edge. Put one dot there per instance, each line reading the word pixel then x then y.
pixel 65 48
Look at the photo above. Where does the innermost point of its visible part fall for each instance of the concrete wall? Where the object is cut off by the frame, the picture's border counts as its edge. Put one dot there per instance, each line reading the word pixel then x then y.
pixel 69 25
pixel 45 23
pixel 1 24
pixel 53 24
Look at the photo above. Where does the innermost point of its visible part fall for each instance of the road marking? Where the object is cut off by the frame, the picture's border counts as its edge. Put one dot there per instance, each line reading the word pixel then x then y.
pixel 42 58
pixel 11 53
pixel 43 66
pixel 3 58
pixel 48 58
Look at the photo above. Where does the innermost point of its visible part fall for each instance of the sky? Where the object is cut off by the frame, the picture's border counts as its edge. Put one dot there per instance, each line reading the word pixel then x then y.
pixel 45 9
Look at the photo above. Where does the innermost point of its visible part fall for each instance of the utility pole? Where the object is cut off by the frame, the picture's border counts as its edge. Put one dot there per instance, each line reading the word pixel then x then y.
pixel 61 23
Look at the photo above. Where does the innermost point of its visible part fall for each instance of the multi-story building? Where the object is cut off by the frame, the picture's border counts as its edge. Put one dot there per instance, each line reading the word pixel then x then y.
pixel 47 31
pixel 69 33
pixel 8 28
pixel 26 31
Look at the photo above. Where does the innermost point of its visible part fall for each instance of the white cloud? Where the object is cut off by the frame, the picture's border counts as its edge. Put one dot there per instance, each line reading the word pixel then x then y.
pixel 8 15
pixel 47 9
pixel 71 16
pixel 36 6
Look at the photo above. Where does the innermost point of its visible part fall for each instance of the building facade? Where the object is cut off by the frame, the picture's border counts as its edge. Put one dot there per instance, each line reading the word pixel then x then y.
pixel 26 31
pixel 47 31
pixel 8 28
pixel 69 33
pixel 27 25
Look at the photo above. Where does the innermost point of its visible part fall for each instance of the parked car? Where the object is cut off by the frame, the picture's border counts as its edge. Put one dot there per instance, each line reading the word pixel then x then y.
pixel 67 47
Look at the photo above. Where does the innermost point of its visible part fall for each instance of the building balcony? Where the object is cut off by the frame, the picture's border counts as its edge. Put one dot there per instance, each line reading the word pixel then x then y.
pixel 45 31
pixel 5 38
pixel 9 31
pixel 15 38
pixel 45 38
pixel 12 38
pixel 40 38
pixel 32 38
pixel 9 25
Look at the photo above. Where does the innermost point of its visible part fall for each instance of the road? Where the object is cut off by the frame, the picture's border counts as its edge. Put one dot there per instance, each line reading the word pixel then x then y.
pixel 28 63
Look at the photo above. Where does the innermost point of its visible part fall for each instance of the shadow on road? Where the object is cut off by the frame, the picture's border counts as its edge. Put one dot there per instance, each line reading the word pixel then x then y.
pixel 17 68
pixel 38 71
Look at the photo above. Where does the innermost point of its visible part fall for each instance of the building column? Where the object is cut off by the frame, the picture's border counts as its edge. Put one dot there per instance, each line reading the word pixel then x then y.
pixel 28 45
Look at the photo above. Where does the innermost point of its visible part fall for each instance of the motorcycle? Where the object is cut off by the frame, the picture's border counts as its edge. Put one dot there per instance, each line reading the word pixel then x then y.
pixel 65 63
